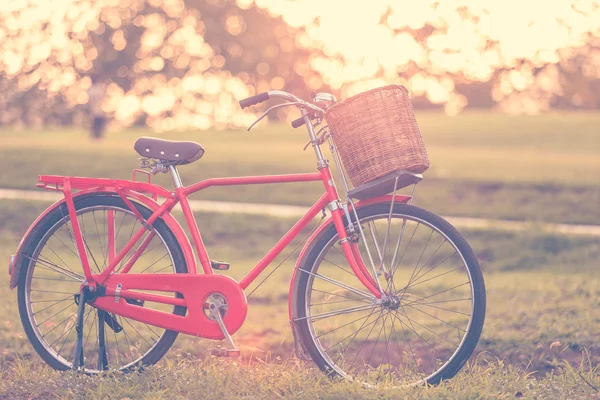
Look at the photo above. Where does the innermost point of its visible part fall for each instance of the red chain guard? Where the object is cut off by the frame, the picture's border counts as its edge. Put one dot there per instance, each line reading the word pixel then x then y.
pixel 195 289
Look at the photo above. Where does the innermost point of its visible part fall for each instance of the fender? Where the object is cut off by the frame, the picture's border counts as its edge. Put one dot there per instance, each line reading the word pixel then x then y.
pixel 15 265
pixel 310 244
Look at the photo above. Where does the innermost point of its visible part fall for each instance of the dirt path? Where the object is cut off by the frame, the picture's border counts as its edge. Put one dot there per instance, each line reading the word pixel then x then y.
pixel 277 210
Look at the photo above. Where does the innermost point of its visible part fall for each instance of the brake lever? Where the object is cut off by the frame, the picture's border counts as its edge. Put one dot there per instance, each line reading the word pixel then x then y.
pixel 295 103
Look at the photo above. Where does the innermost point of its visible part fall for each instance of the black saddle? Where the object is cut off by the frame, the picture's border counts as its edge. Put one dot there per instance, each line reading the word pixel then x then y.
pixel 166 150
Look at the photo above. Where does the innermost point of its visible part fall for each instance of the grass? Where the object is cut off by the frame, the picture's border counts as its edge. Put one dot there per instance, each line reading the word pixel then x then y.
pixel 539 340
pixel 209 379
pixel 483 164
pixel 540 336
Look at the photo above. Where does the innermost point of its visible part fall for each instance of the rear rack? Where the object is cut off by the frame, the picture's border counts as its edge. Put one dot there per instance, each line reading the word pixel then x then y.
pixel 57 183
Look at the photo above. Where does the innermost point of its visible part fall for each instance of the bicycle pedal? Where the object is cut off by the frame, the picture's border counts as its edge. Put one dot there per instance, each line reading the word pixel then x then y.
pixel 218 265
pixel 226 352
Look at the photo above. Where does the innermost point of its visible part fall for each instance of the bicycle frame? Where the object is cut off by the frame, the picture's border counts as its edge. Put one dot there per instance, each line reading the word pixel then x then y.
pixel 186 284
pixel 180 196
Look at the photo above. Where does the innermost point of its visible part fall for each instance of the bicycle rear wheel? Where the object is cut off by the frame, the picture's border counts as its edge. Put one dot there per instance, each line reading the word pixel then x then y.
pixel 51 276
pixel 429 323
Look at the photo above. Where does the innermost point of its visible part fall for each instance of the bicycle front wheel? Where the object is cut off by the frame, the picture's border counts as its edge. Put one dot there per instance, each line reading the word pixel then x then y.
pixel 425 327
pixel 51 277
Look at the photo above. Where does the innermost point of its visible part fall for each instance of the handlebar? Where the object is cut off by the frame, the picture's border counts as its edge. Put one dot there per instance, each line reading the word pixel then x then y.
pixel 298 122
pixel 259 98
pixel 250 101
pixel 313 110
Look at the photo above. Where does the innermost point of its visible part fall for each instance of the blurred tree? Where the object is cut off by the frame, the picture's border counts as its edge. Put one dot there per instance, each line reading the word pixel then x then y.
pixel 175 64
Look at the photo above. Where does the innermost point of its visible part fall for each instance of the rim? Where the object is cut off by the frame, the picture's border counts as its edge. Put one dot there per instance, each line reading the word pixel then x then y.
pixel 398 317
pixel 63 280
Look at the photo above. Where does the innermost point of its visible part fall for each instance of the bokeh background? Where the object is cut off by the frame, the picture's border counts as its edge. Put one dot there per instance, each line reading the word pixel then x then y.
pixel 507 97
pixel 175 64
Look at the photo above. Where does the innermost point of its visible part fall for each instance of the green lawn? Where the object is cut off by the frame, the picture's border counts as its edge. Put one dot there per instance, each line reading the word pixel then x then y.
pixel 543 168
pixel 539 340
pixel 540 336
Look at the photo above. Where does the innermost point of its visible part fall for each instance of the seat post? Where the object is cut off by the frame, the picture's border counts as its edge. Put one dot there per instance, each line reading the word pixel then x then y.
pixel 175 176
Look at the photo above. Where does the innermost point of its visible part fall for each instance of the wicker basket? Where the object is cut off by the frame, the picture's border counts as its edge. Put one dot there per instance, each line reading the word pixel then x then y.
pixel 376 134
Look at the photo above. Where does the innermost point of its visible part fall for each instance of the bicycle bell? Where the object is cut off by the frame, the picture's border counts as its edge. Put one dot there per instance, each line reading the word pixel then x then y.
pixel 324 100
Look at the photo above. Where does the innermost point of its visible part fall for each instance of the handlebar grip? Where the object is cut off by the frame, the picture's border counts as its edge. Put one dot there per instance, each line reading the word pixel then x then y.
pixel 250 101
pixel 297 123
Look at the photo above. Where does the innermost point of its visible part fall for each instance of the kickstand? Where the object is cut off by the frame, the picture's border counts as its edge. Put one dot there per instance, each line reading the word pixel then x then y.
pixel 102 359
pixel 78 357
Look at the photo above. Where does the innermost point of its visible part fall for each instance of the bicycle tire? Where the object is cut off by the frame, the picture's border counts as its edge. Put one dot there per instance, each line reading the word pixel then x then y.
pixel 315 257
pixel 52 223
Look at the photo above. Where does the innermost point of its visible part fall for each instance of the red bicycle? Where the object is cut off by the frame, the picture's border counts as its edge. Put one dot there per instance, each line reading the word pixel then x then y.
pixel 107 278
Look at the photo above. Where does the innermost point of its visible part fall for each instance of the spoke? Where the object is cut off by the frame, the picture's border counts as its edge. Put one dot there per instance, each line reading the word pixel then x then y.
pixel 338 295
pixel 343 326
pixel 378 336
pixel 405 248
pixel 90 252
pixel 138 332
pixel 151 265
pixel 90 329
pixel 424 327
pixel 335 302
pixel 343 269
pixel 443 301
pixel 52 279
pixel 100 241
pixel 49 291
pixel 415 283
pixel 341 311
pixel 52 330
pixel 53 267
pixel 47 301
pixel 85 318
pixel 152 330
pixel 116 341
pixel 162 269
pixel 444 309
pixel 56 254
pixel 80 217
pixel 60 337
pixel 54 315
pixel 417 276
pixel 393 262
pixel 435 294
pixel 412 328
pixel 128 339
pixel 363 326
pixel 415 271
pixel 66 224
pixel 412 352
pixel 364 341
pixel 436 318
pixel 340 284
pixel 386 338
pixel 51 305
pixel 120 226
